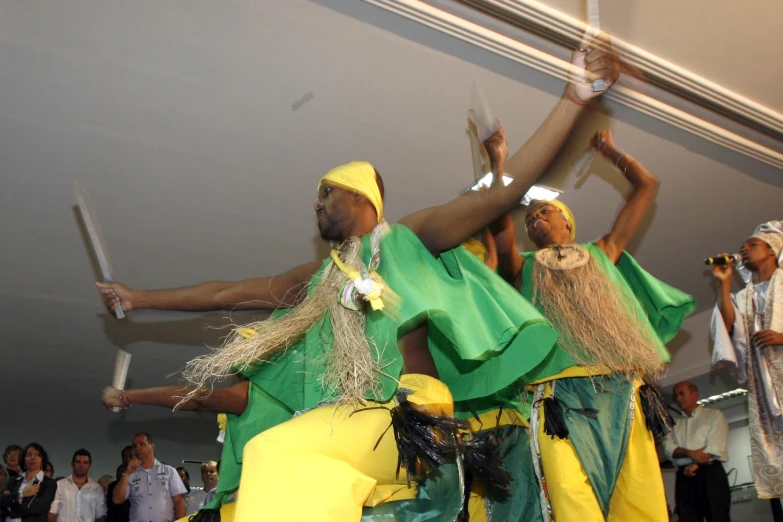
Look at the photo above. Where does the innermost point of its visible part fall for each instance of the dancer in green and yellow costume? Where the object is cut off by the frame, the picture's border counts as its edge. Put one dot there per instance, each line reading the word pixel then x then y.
pixel 397 325
pixel 593 447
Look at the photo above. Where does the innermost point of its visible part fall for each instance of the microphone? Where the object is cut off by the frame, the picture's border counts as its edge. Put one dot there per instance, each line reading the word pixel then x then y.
pixel 722 260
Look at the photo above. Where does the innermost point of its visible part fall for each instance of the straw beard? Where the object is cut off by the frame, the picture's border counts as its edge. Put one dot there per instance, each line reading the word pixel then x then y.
pixel 351 372
pixel 597 319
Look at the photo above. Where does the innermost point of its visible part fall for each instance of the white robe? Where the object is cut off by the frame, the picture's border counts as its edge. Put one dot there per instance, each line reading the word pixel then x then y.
pixel 762 369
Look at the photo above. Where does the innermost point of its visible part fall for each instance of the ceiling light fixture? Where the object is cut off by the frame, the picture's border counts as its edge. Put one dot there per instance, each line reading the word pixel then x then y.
pixel 723 396
pixel 535 192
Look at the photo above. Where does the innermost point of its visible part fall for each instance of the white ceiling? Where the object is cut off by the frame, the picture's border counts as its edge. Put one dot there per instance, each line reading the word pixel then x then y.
pixel 177 117
pixel 734 44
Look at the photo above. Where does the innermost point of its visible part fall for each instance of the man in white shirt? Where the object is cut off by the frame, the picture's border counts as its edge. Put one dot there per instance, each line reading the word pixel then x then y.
pixel 198 499
pixel 698 446
pixel 155 490
pixel 78 497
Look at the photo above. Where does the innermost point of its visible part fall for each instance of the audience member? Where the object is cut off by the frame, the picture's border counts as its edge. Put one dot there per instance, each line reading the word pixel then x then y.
pixel 29 495
pixel 12 457
pixel 78 497
pixel 155 490
pixel 104 481
pixel 184 476
pixel 197 499
pixel 48 470
pixel 117 512
pixel 698 446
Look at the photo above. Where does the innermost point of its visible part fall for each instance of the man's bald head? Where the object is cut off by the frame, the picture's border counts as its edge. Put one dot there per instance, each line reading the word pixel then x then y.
pixel 686 395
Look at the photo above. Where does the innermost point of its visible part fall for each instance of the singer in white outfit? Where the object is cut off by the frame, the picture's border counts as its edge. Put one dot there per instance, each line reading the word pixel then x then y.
pixel 748 331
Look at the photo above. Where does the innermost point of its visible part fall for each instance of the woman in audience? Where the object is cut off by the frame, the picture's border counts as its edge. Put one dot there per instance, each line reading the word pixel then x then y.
pixel 11 456
pixel 27 497
pixel 104 481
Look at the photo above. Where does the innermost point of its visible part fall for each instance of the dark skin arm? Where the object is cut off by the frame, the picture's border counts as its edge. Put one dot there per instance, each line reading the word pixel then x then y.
pixel 645 190
pixel 492 252
pixel 232 399
pixel 723 274
pixel 446 226
pixel 626 225
pixel 440 228
pixel 509 261
pixel 263 293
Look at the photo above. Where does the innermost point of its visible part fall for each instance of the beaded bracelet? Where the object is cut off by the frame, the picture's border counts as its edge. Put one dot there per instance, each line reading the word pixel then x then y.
pixel 617 162
pixel 574 100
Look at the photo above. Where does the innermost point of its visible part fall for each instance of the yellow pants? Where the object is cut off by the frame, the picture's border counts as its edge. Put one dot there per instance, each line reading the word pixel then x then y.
pixel 323 465
pixel 638 495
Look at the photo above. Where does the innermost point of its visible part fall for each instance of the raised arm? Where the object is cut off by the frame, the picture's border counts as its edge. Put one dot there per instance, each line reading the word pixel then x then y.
pixel 120 493
pixel 492 252
pixel 509 261
pixel 264 293
pixel 724 274
pixel 645 190
pixel 446 226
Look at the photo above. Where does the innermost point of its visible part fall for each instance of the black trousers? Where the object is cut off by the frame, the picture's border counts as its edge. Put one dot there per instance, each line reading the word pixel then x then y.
pixel 704 497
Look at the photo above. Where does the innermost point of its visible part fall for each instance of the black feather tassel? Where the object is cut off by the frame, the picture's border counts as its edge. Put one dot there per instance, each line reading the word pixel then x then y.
pixel 206 515
pixel 485 464
pixel 554 419
pixel 656 414
pixel 423 440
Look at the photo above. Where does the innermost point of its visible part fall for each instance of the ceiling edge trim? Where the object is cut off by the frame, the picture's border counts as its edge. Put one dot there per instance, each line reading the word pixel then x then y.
pixel 541 61
pixel 562 29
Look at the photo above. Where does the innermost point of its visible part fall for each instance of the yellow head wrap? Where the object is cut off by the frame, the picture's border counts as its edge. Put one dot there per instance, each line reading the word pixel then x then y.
pixel 357 176
pixel 560 206
pixel 477 248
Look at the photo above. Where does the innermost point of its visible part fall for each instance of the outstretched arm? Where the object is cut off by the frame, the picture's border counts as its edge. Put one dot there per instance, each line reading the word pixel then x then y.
pixel 446 226
pixel 264 293
pixel 645 190
pixel 232 399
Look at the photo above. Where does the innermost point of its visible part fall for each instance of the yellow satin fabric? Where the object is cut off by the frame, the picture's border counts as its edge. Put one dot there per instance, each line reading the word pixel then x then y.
pixel 323 465
pixel 638 495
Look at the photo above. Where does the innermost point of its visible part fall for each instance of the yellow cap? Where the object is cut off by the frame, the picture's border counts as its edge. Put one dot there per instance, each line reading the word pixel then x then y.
pixel 560 206
pixel 357 176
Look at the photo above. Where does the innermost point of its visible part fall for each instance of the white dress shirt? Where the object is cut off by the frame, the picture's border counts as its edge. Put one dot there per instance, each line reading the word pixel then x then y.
pixel 194 500
pixel 209 497
pixel 73 504
pixel 706 427
pixel 150 492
